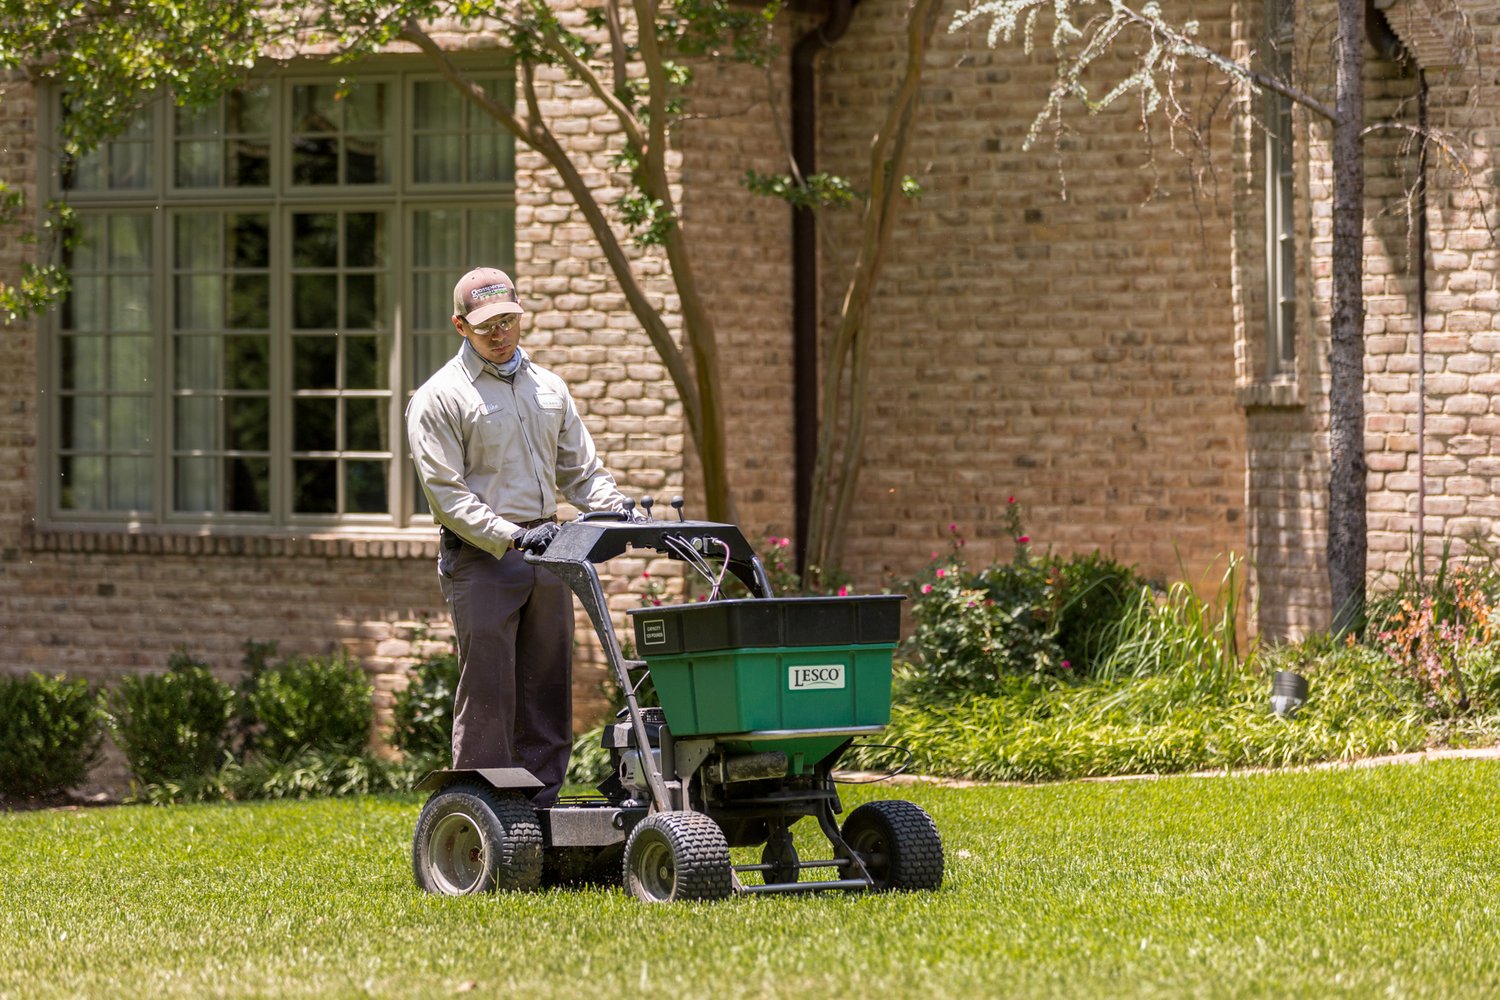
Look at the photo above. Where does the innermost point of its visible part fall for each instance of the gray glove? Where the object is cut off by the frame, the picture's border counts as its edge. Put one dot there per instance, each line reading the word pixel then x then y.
pixel 537 539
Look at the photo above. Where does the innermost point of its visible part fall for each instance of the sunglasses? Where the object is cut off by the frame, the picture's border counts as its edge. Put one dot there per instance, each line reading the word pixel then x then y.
pixel 504 324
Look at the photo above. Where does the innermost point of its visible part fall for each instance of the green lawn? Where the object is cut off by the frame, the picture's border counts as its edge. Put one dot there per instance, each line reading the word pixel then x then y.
pixel 1382 882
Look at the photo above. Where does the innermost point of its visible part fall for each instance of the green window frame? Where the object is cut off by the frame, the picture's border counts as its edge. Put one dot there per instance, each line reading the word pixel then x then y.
pixel 258 288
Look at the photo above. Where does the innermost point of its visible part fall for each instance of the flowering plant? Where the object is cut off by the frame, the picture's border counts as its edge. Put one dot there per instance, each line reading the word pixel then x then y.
pixel 1032 616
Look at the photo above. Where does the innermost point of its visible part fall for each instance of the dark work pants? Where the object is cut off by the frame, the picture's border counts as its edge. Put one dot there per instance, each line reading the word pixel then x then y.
pixel 514 703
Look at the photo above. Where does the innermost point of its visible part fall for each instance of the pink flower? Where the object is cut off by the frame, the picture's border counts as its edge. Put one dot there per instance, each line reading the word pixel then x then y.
pixel 1023 539
pixel 1066 665
pixel 1011 500
pixel 645 574
pixel 933 557
pixel 843 591
pixel 953 527
pixel 941 573
pixel 926 588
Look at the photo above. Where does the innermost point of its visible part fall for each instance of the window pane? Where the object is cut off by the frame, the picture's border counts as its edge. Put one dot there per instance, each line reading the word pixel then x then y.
pixel 130 303
pixel 366 159
pixel 314 108
pixel 247 362
pixel 315 363
pixel 492 237
pixel 129 423
pixel 130 242
pixel 196 423
pixel 89 254
pixel 364 425
pixel 82 482
pixel 363 366
pixel 364 487
pixel 249 240
pixel 315 424
pixel 129 484
pixel 487 159
pixel 200 303
pixel 315 486
pixel 438 240
pixel 83 424
pixel 196 121
pixel 197 484
pixel 83 362
pixel 315 161
pixel 249 302
pixel 247 425
pixel 197 362
pixel 364 239
pixel 249 110
pixel 197 164
pixel 130 166
pixel 84 307
pixel 197 240
pixel 130 363
pixel 433 304
pixel 438 159
pixel 249 163
pixel 432 352
pixel 365 109
pixel 362 302
pixel 438 106
pixel 248 485
pixel 315 304
pixel 315 239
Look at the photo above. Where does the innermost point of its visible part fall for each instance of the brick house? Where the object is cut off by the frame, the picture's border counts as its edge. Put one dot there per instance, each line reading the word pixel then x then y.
pixel 206 439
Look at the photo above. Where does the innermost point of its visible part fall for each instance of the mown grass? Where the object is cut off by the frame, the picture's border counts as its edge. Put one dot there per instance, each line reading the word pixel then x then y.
pixel 1379 882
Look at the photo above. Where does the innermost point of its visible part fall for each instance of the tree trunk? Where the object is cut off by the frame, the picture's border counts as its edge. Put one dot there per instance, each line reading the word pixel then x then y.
pixel 1346 353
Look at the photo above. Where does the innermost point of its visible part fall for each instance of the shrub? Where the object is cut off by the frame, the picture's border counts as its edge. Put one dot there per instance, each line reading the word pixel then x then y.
pixel 172 725
pixel 1047 615
pixel 49 734
pixel 423 728
pixel 1092 593
pixel 312 774
pixel 310 703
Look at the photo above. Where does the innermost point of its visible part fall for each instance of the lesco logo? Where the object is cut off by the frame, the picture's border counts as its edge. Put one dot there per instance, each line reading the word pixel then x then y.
pixel 817 677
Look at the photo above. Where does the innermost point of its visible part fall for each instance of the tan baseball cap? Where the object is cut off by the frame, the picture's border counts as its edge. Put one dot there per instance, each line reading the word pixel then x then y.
pixel 484 293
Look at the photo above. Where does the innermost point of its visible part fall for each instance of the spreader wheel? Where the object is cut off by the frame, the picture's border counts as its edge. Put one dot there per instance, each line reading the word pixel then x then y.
pixel 674 856
pixel 898 843
pixel 472 838
pixel 780 853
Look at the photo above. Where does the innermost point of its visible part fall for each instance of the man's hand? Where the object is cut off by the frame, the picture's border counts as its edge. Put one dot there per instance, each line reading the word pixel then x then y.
pixel 537 539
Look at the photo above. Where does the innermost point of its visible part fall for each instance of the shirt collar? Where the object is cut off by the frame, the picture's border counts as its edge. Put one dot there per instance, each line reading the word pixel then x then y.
pixel 474 364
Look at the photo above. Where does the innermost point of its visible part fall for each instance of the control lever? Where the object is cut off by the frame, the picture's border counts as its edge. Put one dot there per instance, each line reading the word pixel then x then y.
pixel 629 506
pixel 677 506
pixel 647 502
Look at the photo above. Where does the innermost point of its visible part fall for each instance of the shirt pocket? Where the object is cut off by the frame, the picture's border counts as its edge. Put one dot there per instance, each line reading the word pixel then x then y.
pixel 549 409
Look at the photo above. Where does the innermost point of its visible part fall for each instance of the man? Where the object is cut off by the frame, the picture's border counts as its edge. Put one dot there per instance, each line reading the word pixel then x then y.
pixel 495 438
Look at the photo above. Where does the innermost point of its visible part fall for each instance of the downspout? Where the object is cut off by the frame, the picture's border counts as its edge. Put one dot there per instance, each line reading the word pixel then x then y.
pixel 805 264
pixel 1421 315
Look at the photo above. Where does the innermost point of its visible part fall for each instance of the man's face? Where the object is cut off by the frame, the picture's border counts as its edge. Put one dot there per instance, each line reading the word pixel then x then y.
pixel 495 339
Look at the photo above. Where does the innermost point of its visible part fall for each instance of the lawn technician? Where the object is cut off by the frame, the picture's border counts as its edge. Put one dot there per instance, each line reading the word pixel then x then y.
pixel 495 439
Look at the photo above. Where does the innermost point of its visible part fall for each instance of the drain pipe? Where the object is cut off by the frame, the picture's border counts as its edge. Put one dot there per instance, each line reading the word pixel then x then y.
pixel 805 264
pixel 1421 314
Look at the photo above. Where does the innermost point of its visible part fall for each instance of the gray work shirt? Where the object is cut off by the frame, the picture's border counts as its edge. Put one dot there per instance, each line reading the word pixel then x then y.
pixel 493 453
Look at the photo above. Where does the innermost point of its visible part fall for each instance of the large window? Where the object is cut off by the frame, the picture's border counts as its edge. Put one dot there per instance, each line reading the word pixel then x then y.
pixel 257 289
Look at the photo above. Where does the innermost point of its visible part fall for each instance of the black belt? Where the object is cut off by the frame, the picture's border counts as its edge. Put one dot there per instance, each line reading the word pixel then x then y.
pixel 452 540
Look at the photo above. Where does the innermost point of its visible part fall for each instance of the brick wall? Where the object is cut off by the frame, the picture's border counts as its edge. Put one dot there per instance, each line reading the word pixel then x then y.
pixel 1460 472
pixel 1288 448
pixel 1073 352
